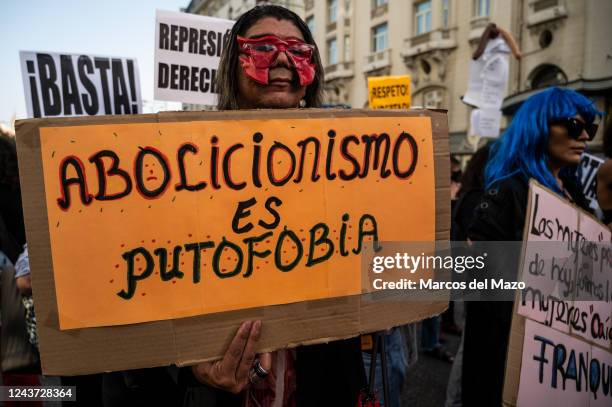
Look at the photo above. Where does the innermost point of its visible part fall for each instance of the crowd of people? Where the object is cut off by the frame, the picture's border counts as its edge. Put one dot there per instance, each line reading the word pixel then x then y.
pixel 272 62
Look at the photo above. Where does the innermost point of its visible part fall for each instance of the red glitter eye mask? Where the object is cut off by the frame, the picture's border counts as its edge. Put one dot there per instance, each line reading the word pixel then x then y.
pixel 258 54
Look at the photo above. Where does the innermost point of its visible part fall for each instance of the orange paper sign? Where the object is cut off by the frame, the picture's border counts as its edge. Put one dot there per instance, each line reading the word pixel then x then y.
pixel 152 221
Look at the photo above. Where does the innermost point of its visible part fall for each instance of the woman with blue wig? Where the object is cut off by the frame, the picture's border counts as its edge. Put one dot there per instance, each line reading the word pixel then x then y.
pixel 544 142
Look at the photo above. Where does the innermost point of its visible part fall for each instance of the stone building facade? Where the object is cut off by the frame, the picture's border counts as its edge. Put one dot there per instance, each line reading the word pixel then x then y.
pixel 564 42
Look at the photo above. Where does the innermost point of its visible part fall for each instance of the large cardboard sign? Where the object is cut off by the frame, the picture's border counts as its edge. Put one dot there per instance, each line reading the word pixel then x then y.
pixel 559 352
pixel 187 53
pixel 558 370
pixel 61 84
pixel 389 92
pixel 177 227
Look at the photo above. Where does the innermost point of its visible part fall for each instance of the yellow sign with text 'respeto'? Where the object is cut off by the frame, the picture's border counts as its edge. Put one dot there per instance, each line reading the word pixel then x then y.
pixel 389 92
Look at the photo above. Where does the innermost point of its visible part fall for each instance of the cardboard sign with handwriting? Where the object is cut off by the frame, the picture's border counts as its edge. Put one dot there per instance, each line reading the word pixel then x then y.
pixel 560 344
pixel 158 232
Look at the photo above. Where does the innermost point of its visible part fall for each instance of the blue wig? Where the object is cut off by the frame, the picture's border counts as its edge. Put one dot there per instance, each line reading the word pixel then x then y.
pixel 523 148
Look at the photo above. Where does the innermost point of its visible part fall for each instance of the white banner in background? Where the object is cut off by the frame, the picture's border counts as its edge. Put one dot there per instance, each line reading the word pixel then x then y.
pixel 61 84
pixel 187 53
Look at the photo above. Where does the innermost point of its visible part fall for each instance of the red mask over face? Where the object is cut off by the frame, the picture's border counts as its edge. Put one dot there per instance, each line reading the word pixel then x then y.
pixel 258 54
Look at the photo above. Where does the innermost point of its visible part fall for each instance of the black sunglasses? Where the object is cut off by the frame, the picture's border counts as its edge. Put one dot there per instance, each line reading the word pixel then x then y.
pixel 575 127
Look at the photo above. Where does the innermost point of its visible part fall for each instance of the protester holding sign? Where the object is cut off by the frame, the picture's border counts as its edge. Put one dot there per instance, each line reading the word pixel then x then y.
pixel 544 142
pixel 272 62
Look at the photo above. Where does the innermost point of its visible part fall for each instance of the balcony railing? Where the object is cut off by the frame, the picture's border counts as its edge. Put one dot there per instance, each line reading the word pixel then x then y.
pixel 379 11
pixel 479 22
pixel 377 60
pixel 331 68
pixel 540 5
pixel 440 39
pixel 543 11
pixel 420 39
pixel 339 70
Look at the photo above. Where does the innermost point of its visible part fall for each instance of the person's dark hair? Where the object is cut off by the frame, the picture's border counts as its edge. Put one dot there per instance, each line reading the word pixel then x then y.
pixel 474 175
pixel 227 82
pixel 9 171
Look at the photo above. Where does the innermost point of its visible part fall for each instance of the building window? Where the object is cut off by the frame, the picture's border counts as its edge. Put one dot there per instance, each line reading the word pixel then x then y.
pixel 332 11
pixel 433 99
pixel 423 17
pixel 482 8
pixel 347 48
pixel 379 38
pixel 332 55
pixel 547 75
pixel 310 22
pixel 347 7
pixel 380 3
pixel 445 13
pixel 230 13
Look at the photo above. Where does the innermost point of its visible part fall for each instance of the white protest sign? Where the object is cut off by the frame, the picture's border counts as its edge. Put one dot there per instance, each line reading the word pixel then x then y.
pixel 187 53
pixel 485 123
pixel 472 95
pixel 495 78
pixel 488 76
pixel 588 178
pixel 59 84
pixel 567 269
pixel 558 370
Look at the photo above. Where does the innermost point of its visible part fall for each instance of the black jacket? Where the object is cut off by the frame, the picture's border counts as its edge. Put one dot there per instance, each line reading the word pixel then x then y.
pixel 500 216
pixel 329 374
